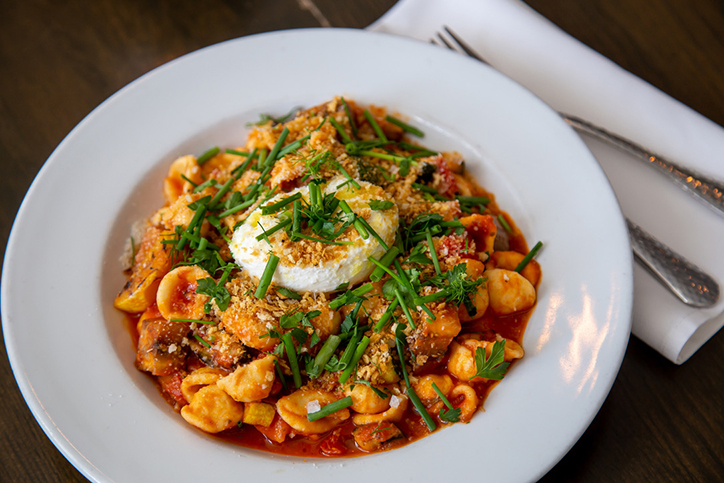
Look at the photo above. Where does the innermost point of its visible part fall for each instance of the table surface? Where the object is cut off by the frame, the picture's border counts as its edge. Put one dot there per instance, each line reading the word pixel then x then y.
pixel 59 60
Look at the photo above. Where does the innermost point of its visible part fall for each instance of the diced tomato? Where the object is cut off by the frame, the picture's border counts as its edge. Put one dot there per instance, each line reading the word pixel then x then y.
pixel 171 387
pixel 481 229
pixel 446 185
pixel 277 431
pixel 456 246
pixel 332 445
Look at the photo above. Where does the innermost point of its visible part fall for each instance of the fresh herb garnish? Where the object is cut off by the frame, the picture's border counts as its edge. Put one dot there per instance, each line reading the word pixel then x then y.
pixel 528 257
pixel 330 408
pixel 379 205
pixel 290 294
pixel 207 155
pixel 452 415
pixel 492 367
pixel 404 126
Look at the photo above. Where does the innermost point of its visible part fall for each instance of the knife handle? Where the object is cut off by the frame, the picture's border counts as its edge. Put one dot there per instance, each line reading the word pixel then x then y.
pixel 708 191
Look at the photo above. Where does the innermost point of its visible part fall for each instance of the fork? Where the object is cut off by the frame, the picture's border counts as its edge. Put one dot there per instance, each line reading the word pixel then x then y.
pixel 689 283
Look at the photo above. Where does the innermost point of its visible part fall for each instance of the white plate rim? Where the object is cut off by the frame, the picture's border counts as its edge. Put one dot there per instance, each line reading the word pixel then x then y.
pixel 620 290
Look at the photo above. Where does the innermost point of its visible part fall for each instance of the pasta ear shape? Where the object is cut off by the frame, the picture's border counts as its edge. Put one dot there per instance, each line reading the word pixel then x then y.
pixel 151 263
pixel 177 297
pixel 252 382
pixel 212 410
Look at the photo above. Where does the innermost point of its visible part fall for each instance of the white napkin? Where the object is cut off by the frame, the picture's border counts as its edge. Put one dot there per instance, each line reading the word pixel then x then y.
pixel 576 80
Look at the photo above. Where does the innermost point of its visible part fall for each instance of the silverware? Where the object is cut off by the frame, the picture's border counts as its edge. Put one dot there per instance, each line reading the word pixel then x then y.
pixel 689 283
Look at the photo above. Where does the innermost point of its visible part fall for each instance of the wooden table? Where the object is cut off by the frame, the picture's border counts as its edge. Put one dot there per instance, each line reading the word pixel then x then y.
pixel 59 60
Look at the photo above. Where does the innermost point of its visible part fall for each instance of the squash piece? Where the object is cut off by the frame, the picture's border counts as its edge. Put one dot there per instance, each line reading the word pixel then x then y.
pixel 259 414
pixel 152 262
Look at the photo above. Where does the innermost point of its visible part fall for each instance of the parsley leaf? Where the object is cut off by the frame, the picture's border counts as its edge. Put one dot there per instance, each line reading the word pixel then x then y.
pixel 379 205
pixel 491 367
pixel 458 287
pixel 208 286
pixel 450 415
pixel 290 294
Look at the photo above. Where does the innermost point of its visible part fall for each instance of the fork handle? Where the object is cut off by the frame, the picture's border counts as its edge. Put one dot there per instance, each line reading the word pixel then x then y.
pixel 707 190
pixel 681 277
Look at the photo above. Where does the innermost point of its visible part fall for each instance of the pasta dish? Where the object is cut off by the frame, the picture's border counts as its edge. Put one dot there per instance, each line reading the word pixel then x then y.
pixel 330 288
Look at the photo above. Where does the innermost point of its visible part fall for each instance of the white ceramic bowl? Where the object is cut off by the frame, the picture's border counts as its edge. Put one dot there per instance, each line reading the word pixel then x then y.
pixel 73 359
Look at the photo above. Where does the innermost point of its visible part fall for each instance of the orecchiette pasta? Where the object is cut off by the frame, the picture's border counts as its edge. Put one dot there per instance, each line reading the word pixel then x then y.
pixel 328 288
pixel 295 407
pixel 177 297
pixel 251 382
pixel 213 410
pixel 509 291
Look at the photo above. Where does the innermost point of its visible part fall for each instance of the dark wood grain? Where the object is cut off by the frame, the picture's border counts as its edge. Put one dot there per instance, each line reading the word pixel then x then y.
pixel 60 59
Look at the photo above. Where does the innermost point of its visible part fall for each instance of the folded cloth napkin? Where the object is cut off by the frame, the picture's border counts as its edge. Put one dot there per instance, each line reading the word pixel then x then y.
pixel 576 80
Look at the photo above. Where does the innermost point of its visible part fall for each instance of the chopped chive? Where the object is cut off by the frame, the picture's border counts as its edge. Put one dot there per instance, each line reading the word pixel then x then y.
pixel 275 150
pixel 293 146
pixel 386 315
pixel 386 270
pixel 266 276
pixel 355 359
pixel 373 233
pixel 208 322
pixel 404 126
pixel 202 341
pixel 375 154
pixel 410 391
pixel 403 276
pixel 324 355
pixel 433 297
pixel 424 188
pixel 267 233
pixel 330 408
pixel 362 289
pixel 280 375
pixel 274 207
pixel 349 350
pixel 292 356
pixel 222 191
pixel 241 168
pixel 315 197
pixel 418 238
pixel 473 200
pixel 420 150
pixel 236 208
pixel 204 185
pixel 198 217
pixel 528 257
pixel 262 159
pixel 386 260
pixel 207 155
pixel 405 309
pixel 348 111
pixel 358 222
pixel 322 240
pixel 296 218
pixel 349 178
pixel 375 126
pixel 504 223
pixel 433 252
pixel 340 130
pixel 442 396
pixel 236 153
pixel 183 176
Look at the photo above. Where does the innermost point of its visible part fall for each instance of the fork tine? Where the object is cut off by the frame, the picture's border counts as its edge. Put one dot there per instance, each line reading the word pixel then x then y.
pixel 447 44
pixel 468 50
